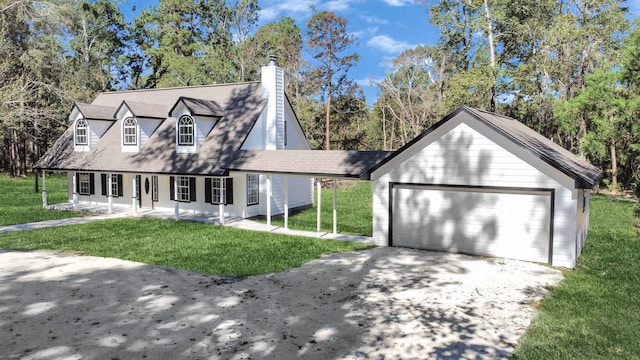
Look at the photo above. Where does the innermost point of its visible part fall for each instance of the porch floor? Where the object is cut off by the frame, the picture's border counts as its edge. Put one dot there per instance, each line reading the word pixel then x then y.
pixel 185 215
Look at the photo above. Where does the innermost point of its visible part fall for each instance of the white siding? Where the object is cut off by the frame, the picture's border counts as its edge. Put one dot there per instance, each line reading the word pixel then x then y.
pixel 256 138
pixel 294 135
pixel 147 127
pixel 465 152
pixel 300 194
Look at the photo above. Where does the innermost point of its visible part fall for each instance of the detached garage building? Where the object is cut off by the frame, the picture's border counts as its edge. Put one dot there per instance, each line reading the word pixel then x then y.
pixel 484 184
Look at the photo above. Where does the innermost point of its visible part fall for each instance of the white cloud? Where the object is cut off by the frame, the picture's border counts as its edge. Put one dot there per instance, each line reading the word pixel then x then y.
pixel 388 44
pixel 275 9
pixel 374 20
pixel 369 82
pixel 366 32
pixel 398 2
pixel 336 5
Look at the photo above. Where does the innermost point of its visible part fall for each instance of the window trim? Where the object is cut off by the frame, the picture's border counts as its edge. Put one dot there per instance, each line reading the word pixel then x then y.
pixel 133 125
pixel 220 189
pixel 253 185
pixel 84 183
pixel 183 126
pixel 182 189
pixel 115 185
pixel 81 124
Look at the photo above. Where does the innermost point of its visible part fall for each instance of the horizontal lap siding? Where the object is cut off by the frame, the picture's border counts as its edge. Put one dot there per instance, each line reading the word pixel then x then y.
pixel 465 152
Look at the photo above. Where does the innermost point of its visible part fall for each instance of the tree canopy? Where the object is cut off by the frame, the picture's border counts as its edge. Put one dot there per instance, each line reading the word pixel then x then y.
pixel 568 69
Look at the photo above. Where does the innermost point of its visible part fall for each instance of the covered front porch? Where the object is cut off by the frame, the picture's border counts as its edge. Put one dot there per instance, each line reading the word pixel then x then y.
pixel 270 166
pixel 118 210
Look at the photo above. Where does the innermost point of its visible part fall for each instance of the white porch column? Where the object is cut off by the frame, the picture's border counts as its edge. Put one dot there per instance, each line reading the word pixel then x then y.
pixel 269 201
pixel 110 193
pixel 286 202
pixel 75 192
pixel 335 204
pixel 176 206
pixel 44 190
pixel 221 213
pixel 319 205
pixel 134 198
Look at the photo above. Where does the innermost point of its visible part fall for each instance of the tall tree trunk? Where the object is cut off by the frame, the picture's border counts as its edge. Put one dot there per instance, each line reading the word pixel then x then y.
pixel 13 153
pixel 614 169
pixel 327 130
pixel 492 56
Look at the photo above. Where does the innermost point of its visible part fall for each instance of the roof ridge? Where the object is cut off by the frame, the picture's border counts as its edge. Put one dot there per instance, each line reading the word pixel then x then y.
pixel 177 88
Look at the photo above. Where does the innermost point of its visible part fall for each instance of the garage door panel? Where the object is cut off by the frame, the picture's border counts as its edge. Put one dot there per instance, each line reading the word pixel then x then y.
pixel 503 224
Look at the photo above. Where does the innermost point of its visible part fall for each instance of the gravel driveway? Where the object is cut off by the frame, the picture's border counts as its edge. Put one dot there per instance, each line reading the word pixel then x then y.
pixel 382 303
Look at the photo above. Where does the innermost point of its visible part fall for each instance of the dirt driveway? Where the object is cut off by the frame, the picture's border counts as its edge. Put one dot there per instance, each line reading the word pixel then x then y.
pixel 382 303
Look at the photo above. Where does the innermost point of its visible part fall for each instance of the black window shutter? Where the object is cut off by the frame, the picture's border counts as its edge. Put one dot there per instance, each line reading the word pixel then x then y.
pixel 229 190
pixel 172 188
pixel 77 183
pixel 92 185
pixel 103 184
pixel 207 190
pixel 192 189
pixel 120 185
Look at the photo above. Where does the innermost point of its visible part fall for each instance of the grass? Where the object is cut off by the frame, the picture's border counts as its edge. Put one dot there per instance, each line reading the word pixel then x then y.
pixel 354 211
pixel 204 248
pixel 184 245
pixel 21 204
pixel 595 312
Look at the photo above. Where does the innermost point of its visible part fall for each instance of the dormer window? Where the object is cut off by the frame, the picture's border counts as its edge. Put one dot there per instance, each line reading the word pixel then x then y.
pixel 185 131
pixel 129 132
pixel 81 132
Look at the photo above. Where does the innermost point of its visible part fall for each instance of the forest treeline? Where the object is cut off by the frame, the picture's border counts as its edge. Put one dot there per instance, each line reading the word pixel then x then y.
pixel 569 69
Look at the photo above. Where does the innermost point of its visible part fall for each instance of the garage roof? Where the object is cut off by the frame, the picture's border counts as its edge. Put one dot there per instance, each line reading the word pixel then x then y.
pixel 584 174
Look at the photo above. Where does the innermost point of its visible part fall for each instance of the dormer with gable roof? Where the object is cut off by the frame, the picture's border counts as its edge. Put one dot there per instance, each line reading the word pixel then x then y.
pixel 89 123
pixel 138 121
pixel 194 119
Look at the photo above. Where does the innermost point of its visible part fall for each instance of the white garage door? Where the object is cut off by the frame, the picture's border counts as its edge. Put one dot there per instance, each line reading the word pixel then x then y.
pixel 492 222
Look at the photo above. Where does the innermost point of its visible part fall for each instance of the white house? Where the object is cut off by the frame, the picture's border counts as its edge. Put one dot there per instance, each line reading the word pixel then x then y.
pixel 484 184
pixel 174 148
pixel 475 182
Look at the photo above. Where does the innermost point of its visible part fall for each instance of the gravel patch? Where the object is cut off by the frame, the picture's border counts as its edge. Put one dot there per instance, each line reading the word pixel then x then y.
pixel 382 303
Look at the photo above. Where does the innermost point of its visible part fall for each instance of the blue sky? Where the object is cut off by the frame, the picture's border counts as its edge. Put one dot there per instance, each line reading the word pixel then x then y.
pixel 384 28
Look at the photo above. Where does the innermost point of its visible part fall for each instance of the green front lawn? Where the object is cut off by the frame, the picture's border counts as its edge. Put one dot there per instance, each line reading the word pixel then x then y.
pixel 595 312
pixel 354 211
pixel 21 204
pixel 204 248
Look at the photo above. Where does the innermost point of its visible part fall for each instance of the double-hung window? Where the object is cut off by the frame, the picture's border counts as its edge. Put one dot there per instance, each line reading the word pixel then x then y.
pixel 114 185
pixel 182 187
pixel 185 130
pixel 81 132
pixel 253 189
pixel 84 184
pixel 218 190
pixel 129 132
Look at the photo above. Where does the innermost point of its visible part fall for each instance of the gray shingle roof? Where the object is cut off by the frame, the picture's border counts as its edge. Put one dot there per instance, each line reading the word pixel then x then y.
pixel 138 109
pixel 340 163
pixel 584 174
pixel 201 107
pixel 96 112
pixel 242 104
